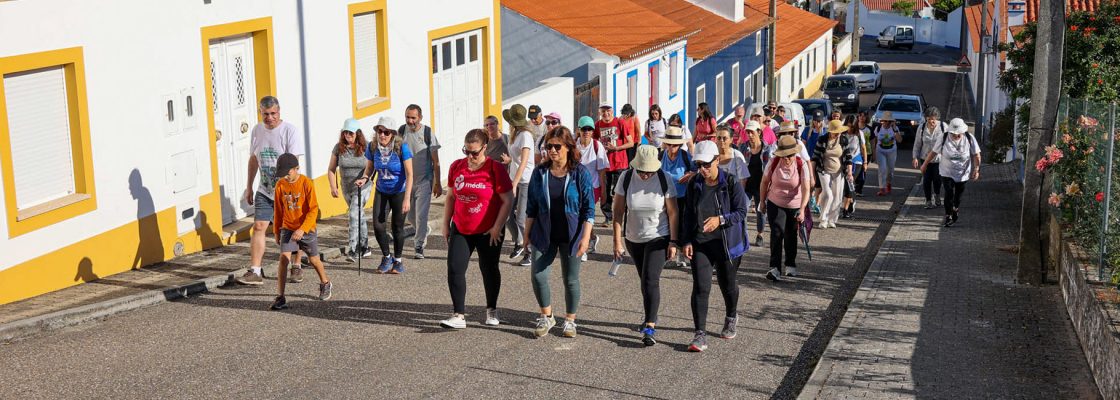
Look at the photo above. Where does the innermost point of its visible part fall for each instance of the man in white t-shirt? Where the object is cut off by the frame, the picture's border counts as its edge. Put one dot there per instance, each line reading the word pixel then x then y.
pixel 271 138
pixel 521 152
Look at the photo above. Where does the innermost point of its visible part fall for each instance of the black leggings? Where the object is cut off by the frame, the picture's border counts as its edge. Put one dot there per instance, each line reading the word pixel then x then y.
pixel 608 192
pixel 857 170
pixel 931 181
pixel 382 204
pixel 953 191
pixel 783 235
pixel 459 249
pixel 860 177
pixel 649 258
pixel 706 256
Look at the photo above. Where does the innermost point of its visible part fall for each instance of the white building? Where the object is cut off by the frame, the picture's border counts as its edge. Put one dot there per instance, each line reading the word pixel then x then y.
pixel 124 124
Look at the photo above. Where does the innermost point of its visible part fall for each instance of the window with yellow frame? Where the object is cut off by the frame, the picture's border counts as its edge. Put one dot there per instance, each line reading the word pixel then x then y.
pixel 369 58
pixel 44 139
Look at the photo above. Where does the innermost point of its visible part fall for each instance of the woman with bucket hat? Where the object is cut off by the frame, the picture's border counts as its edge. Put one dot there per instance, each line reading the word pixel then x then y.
pixel 521 169
pixel 713 238
pixel 833 162
pixel 785 188
pixel 886 138
pixel 645 202
pixel 348 159
pixel 960 162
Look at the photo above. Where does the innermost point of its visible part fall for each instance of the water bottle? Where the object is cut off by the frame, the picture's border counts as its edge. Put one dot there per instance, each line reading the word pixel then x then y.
pixel 614 267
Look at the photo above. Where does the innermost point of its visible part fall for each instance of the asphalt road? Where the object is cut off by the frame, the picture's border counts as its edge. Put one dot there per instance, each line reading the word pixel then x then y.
pixel 379 337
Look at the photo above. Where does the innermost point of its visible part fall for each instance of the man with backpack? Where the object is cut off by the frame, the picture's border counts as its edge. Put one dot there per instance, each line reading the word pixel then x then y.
pixel 960 162
pixel 929 132
pixel 425 171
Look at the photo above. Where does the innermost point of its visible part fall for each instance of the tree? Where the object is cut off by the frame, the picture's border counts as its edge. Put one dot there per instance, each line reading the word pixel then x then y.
pixel 904 7
pixel 944 7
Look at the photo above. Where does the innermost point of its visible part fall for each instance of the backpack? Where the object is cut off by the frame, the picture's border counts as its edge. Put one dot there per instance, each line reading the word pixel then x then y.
pixel 945 138
pixel 427 141
pixel 626 186
pixel 687 157
pixel 879 143
pixel 774 166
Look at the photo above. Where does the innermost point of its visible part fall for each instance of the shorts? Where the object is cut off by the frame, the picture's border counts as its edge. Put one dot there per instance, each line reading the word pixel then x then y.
pixel 309 243
pixel 262 207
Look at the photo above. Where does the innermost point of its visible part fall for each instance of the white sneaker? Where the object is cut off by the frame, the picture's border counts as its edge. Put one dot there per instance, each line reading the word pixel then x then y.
pixel 492 317
pixel 591 246
pixel 791 271
pixel 455 322
pixel 774 275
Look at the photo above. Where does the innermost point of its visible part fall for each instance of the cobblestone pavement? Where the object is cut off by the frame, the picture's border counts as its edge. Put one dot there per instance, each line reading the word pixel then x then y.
pixel 939 316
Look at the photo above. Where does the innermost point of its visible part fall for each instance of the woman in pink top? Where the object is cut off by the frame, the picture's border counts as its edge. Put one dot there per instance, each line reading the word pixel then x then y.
pixel 705 123
pixel 785 186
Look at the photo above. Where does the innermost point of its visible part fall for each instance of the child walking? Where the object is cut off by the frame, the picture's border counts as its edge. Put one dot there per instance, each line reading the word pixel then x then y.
pixel 294 226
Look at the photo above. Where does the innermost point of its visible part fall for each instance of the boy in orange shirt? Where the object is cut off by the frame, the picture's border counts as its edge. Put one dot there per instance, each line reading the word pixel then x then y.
pixel 294 225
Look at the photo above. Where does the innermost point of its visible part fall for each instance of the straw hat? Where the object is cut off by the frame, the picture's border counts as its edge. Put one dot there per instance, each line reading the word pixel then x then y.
pixel 787 126
pixel 787 146
pixel 836 126
pixel 673 135
pixel 887 116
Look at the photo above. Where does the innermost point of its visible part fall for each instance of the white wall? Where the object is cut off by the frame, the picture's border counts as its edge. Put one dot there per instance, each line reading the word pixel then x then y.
pixel 931 31
pixel 669 104
pixel 811 83
pixel 553 95
pixel 843 52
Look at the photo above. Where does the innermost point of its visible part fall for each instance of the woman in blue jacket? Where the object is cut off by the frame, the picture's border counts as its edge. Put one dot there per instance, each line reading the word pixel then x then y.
pixel 559 215
pixel 713 235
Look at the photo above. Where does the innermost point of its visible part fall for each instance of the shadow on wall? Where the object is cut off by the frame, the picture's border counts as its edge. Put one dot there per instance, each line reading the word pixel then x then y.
pixel 150 248
pixel 85 271
pixel 206 236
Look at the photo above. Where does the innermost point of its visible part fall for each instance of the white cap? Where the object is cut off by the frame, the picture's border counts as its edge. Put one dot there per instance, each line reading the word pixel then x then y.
pixel 387 122
pixel 706 151
pixel 957 126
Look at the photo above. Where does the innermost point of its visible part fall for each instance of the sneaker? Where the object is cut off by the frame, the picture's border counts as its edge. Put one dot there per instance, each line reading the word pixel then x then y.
pixel 729 325
pixel 250 279
pixel 591 246
pixel 398 267
pixel 543 325
pixel 457 321
pixel 758 240
pixel 937 201
pixel 955 216
pixel 699 343
pixel 948 221
pixel 813 206
pixel 386 265
pixel 279 304
pixel 569 328
pixel 881 192
pixel 517 251
pixel 527 261
pixel 295 274
pixel 583 257
pixel 325 291
pixel 647 336
pixel 367 254
pixel 929 204
pixel 419 253
pixel 349 255
pixel 492 317
pixel 774 275
pixel 791 271
pixel 888 188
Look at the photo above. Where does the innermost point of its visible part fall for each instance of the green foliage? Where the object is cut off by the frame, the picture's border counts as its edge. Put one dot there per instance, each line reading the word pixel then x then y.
pixel 904 7
pixel 1002 135
pixel 944 7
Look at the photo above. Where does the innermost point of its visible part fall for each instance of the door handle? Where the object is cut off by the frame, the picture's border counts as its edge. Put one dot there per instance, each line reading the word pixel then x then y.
pixel 217 135
pixel 244 127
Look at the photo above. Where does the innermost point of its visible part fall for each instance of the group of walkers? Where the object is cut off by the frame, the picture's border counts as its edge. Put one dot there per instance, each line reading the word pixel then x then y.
pixel 669 197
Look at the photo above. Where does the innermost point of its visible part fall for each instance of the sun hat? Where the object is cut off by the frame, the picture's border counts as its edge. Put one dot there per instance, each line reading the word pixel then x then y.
pixel 386 122
pixel 887 116
pixel 553 115
pixel 673 135
pixel 285 163
pixel 515 115
pixel 757 110
pixel 351 125
pixel 646 160
pixel 706 151
pixel 586 122
pixel 753 126
pixel 606 105
pixel 836 126
pixel 957 126
pixel 787 126
pixel 787 146
pixel 534 111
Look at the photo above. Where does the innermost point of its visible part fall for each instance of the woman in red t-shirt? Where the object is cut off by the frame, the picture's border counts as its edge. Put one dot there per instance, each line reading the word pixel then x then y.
pixel 473 220
pixel 705 123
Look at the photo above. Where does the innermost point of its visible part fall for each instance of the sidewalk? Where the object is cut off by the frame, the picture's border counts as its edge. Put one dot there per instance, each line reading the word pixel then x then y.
pixel 939 316
pixel 177 278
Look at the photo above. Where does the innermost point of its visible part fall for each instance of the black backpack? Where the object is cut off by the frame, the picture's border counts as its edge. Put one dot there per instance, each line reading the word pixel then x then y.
pixel 626 186
pixel 683 153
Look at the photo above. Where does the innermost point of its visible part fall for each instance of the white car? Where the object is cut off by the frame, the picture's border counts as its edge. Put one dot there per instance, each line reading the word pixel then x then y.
pixel 867 73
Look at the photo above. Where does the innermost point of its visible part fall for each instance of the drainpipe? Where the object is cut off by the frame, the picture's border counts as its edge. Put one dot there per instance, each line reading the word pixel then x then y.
pixel 303 89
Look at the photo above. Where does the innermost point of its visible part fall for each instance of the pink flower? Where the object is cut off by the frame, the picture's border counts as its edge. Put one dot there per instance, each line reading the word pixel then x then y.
pixel 1100 197
pixel 1089 150
pixel 1087 122
pixel 1066 138
pixel 1055 200
pixel 1041 165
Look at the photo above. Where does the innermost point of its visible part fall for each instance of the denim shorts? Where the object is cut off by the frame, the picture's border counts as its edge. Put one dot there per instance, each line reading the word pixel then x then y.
pixel 309 243
pixel 262 207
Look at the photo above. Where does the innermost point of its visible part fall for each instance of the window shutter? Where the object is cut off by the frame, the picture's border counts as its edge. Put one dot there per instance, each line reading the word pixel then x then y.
pixel 365 57
pixel 39 128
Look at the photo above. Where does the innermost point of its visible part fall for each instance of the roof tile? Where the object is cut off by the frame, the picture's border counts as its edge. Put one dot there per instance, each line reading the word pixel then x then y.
pixel 621 28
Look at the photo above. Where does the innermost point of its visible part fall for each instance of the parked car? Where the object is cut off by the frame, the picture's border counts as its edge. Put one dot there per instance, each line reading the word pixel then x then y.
pixel 897 36
pixel 905 108
pixel 867 74
pixel 841 91
pixel 794 112
pixel 813 105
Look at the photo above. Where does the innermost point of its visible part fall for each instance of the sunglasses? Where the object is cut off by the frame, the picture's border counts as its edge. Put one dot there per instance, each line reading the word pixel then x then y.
pixel 704 165
pixel 645 175
pixel 588 129
pixel 472 153
pixel 384 132
pixel 723 138
pixel 553 146
pixel 552 122
pixel 672 145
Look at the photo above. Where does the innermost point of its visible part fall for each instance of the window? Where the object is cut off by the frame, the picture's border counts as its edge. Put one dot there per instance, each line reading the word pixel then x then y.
pixel 759 86
pixel 673 68
pixel 654 81
pixel 735 84
pixel 369 66
pixel 632 87
pixel 701 95
pixel 747 90
pixel 758 43
pixel 718 109
pixel 44 139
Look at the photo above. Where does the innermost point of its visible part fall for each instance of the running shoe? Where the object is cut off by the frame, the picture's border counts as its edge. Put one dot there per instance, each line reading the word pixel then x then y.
pixel 647 336
pixel 348 254
pixel 295 274
pixel 569 328
pixel 699 343
pixel 774 275
pixel 398 267
pixel 956 216
pixel 929 204
pixel 791 271
pixel 457 321
pixel 591 246
pixel 279 304
pixel 325 290
pixel 758 240
pixel 948 221
pixel 527 261
pixel 386 265
pixel 419 253
pixel 517 251
pixel 544 323
pixel 729 325
pixel 492 317
pixel 250 278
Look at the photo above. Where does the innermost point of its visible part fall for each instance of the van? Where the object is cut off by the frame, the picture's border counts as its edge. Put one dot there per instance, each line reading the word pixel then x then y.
pixel 897 36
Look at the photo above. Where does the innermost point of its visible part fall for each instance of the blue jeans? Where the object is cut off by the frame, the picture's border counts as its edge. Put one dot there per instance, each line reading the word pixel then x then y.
pixel 359 228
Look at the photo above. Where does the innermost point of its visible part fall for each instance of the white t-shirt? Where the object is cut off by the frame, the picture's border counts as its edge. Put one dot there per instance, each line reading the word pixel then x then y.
pixel 885 137
pixel 737 166
pixel 956 156
pixel 594 158
pixel 646 218
pixel 656 131
pixel 524 140
pixel 268 145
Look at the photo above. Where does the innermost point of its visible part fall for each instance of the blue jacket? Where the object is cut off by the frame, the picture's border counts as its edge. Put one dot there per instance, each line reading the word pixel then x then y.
pixel 732 201
pixel 579 206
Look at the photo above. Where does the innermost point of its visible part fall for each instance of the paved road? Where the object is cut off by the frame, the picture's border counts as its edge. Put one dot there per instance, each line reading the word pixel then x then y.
pixel 380 334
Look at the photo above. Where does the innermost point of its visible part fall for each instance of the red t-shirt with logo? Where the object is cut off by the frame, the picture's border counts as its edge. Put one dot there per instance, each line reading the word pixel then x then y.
pixel 477 199
pixel 613 132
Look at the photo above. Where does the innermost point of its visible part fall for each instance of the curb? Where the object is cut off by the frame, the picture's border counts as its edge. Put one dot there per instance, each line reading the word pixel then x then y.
pixel 823 370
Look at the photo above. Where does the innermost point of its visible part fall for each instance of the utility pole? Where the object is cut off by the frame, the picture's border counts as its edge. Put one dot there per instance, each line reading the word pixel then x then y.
pixel 1045 91
pixel 772 89
pixel 982 75
pixel 856 36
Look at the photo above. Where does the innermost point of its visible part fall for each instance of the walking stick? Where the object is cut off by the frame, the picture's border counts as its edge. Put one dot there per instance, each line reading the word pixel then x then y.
pixel 360 247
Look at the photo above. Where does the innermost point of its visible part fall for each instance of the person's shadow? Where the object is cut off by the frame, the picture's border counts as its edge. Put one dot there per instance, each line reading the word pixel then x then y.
pixel 150 248
pixel 85 271
pixel 206 236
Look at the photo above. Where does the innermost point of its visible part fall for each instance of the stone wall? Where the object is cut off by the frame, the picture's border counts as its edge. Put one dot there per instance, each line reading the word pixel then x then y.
pixel 1098 336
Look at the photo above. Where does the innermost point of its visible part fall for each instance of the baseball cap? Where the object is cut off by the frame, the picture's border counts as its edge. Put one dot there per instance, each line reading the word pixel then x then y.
pixel 586 122
pixel 285 163
pixel 553 115
pixel 351 125
pixel 534 111
pixel 706 151
pixel 818 116
pixel 606 105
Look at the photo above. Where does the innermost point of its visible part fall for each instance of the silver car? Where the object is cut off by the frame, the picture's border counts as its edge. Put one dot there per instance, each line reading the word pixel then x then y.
pixel 867 73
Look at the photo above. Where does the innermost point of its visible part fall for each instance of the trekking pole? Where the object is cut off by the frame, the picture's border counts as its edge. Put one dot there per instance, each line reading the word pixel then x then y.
pixel 360 247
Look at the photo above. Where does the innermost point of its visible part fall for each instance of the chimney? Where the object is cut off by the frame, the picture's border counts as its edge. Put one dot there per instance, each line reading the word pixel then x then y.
pixel 730 9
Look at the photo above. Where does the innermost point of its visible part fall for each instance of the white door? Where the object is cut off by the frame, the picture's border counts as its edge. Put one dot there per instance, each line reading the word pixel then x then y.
pixel 235 114
pixel 457 76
